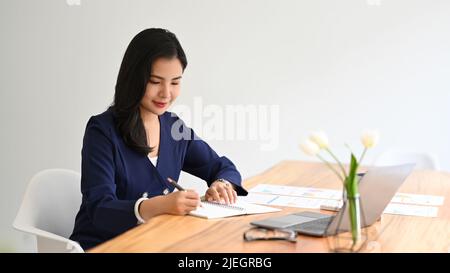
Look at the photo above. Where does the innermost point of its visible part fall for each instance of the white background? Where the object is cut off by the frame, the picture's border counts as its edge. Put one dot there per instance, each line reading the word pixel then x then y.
pixel 339 66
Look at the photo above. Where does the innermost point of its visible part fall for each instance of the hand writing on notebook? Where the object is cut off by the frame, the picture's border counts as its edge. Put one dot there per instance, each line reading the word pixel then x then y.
pixel 182 202
pixel 221 191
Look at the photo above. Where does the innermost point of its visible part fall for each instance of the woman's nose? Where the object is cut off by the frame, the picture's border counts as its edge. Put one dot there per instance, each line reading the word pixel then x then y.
pixel 165 91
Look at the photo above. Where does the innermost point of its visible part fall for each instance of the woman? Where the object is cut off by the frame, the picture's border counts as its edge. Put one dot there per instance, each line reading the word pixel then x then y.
pixel 131 149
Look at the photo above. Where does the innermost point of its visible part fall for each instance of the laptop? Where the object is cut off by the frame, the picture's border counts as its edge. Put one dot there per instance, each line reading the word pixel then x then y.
pixel 377 187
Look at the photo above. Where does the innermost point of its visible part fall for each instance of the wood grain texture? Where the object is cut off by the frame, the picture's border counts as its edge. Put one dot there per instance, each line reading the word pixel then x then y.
pixel 394 233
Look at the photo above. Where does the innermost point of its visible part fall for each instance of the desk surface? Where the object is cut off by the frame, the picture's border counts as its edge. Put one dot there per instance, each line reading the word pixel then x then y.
pixel 394 233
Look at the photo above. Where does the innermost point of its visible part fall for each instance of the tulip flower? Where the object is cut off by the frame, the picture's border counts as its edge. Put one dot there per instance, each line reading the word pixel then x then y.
pixel 370 138
pixel 317 141
pixel 320 138
pixel 310 148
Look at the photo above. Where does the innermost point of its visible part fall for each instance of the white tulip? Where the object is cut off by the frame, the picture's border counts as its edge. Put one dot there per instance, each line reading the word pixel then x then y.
pixel 370 138
pixel 309 147
pixel 320 138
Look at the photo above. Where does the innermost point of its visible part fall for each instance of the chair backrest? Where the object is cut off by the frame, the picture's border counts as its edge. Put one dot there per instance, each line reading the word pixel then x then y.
pixel 397 157
pixel 48 209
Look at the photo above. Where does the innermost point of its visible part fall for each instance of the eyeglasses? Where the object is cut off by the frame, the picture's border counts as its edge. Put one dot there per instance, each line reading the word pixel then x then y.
pixel 254 234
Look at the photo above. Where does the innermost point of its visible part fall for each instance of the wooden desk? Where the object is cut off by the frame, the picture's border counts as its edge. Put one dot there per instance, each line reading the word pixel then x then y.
pixel 396 233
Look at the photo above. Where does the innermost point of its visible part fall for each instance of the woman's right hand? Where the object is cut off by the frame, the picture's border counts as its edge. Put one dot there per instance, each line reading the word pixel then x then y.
pixel 182 202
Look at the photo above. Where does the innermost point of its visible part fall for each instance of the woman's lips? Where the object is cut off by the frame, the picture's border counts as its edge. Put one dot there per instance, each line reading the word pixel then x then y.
pixel 160 104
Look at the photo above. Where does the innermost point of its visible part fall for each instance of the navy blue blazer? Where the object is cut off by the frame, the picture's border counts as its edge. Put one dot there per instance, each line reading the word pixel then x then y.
pixel 114 176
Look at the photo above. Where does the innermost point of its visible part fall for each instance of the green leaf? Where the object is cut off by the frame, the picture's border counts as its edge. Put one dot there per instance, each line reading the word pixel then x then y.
pixel 351 180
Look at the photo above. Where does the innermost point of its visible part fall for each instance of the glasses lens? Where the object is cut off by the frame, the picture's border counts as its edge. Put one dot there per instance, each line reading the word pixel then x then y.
pixel 269 234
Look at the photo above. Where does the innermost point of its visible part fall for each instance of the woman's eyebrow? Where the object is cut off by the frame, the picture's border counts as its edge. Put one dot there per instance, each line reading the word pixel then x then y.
pixel 162 78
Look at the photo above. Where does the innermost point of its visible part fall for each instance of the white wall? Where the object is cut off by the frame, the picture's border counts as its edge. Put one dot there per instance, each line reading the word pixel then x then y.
pixel 340 66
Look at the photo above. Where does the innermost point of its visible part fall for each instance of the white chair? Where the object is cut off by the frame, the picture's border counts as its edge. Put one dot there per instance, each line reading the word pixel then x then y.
pixel 395 157
pixel 48 210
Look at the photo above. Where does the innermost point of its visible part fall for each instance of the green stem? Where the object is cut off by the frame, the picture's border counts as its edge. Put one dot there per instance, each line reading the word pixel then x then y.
pixel 362 156
pixel 337 160
pixel 354 219
pixel 332 168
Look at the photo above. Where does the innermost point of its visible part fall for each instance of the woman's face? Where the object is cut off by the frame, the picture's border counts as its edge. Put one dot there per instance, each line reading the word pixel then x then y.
pixel 164 85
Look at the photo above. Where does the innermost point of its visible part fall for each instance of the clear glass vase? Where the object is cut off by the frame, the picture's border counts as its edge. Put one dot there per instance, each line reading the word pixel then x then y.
pixel 348 235
pixel 354 213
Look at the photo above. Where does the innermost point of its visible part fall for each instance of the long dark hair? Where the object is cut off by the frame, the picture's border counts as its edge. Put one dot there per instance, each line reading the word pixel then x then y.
pixel 134 74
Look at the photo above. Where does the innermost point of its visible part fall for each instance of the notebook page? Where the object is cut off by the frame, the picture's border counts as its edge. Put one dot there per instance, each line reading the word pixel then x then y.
pixel 255 209
pixel 215 210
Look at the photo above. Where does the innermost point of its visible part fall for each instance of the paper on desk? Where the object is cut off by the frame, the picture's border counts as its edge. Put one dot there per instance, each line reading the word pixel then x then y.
pixel 307 192
pixel 302 202
pixel 411 210
pixel 418 199
pixel 256 198
pixel 289 201
pixel 311 203
pixel 403 198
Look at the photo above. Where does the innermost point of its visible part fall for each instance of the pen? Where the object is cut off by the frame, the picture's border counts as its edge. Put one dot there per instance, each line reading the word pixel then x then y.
pixel 180 188
pixel 175 184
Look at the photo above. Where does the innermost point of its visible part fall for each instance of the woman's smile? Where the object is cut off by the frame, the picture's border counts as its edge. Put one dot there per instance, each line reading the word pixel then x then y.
pixel 159 104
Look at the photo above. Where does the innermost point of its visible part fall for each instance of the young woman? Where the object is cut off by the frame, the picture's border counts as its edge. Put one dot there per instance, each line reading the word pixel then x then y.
pixel 131 149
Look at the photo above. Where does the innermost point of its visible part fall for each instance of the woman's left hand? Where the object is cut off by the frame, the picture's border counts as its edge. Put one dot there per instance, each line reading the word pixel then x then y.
pixel 221 191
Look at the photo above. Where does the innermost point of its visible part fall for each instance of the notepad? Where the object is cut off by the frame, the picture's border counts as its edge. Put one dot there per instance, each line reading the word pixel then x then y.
pixel 212 210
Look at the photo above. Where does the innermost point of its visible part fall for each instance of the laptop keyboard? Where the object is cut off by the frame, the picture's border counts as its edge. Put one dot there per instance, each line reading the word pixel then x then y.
pixel 316 226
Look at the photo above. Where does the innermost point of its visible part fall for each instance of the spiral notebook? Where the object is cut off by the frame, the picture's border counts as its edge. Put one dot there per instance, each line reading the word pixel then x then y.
pixel 212 210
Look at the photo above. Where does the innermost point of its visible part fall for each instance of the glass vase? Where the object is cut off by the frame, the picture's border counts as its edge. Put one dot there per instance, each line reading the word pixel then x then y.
pixel 354 213
pixel 347 235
